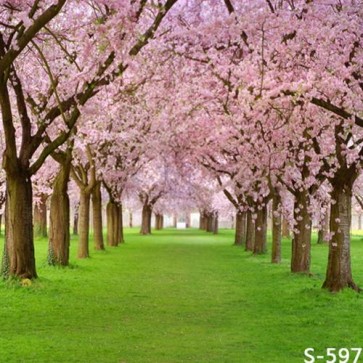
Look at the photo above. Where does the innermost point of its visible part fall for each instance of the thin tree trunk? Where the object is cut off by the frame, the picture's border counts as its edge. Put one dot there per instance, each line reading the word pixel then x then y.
pixel 130 219
pixel 239 237
pixel 146 219
pixel 202 221
pixel 276 229
pixel 187 220
pixel 113 224
pixel 1 220
pixel 175 221
pixel 97 217
pixel 83 225
pixel 18 259
pixel 323 232
pixel 75 220
pixel 215 223
pixel 59 236
pixel 260 245
pixel 158 225
pixel 120 225
pixel 40 218
pixel 250 233
pixel 301 242
pixel 339 273
pixel 285 228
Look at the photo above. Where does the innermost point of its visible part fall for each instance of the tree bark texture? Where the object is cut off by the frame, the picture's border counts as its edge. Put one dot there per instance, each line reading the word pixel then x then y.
pixel 260 245
pixel 276 229
pixel 146 219
pixel 301 242
pixel 97 217
pixel 113 224
pixel 285 228
pixel 75 220
pixel 59 236
pixel 215 223
pixel 250 233
pixel 240 232
pixel 158 221
pixel 130 220
pixel 19 259
pixel 339 273
pixel 324 230
pixel 83 224
pixel 40 218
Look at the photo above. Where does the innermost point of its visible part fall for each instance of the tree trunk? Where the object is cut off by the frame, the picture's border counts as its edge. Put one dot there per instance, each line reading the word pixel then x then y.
pixel 215 223
pixel 120 225
pixel 113 224
pixel 75 220
pixel 285 228
pixel 97 218
pixel 59 237
pixel 158 221
pixel 239 237
pixel 323 232
pixel 19 259
pixel 202 221
pixel 175 219
pixel 260 245
pixel 301 242
pixel 83 225
pixel 250 233
pixel 339 273
pixel 276 229
pixel 1 220
pixel 40 218
pixel 130 219
pixel 146 219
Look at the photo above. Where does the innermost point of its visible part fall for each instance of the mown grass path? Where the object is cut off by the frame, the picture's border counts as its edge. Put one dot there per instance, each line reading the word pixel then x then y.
pixel 177 296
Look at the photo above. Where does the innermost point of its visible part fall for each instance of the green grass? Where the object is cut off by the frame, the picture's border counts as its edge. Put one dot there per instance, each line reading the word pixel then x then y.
pixel 177 296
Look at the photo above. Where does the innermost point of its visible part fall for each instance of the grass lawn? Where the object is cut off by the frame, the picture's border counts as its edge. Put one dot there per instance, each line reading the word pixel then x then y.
pixel 177 296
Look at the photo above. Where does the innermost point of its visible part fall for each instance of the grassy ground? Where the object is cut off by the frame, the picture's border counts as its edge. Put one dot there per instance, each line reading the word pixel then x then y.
pixel 177 296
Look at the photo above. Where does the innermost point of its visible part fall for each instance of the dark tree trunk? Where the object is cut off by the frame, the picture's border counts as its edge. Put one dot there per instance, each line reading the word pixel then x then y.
pixel 40 218
pixel 285 228
pixel 260 245
pixel 83 225
pixel 215 223
pixel 339 273
pixel 158 221
pixel 210 222
pixel 146 219
pixel 1 221
pixel 59 236
pixel 97 217
pixel 324 230
pixel 240 232
pixel 75 220
pixel 301 242
pixel 113 224
pixel 175 221
pixel 18 259
pixel 250 233
pixel 130 220
pixel 121 224
pixel 202 221
pixel 276 229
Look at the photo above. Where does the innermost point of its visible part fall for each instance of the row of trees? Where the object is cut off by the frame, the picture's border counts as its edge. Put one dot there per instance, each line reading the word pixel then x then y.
pixel 176 102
